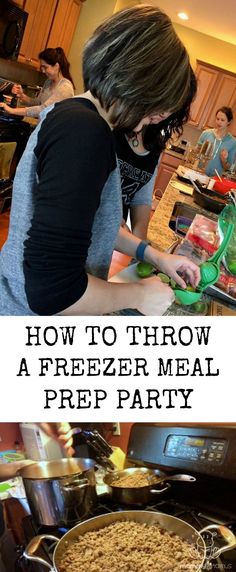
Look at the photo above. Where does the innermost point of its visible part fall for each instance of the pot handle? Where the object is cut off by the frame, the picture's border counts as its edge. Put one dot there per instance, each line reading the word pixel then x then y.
pixel 226 534
pixel 34 545
pixel 74 485
pixel 160 491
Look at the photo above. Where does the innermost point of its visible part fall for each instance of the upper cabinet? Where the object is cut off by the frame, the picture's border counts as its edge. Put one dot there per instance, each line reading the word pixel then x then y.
pixel 40 18
pixel 216 88
pixel 64 24
pixel 50 24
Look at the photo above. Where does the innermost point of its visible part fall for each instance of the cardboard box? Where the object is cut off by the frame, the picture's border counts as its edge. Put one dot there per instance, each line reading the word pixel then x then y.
pixel 217 309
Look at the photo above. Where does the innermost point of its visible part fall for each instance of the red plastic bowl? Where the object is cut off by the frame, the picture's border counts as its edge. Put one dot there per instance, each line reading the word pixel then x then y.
pixel 223 186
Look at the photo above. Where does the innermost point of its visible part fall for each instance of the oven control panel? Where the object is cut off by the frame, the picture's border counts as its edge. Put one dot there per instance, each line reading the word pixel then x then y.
pixel 196 448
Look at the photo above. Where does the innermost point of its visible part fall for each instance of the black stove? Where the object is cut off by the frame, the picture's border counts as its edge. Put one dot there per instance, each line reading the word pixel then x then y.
pixel 15 129
pixel 211 499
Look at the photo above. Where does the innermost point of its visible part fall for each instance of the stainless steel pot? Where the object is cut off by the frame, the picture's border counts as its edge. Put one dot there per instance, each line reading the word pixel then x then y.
pixel 141 495
pixel 60 492
pixel 170 523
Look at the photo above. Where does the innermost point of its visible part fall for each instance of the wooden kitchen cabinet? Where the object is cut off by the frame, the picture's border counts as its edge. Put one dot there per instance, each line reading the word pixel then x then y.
pixel 64 24
pixel 14 514
pixel 167 167
pixel 50 24
pixel 40 17
pixel 216 88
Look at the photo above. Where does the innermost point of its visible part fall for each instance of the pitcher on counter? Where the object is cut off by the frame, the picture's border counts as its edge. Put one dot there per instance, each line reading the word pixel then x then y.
pixel 66 208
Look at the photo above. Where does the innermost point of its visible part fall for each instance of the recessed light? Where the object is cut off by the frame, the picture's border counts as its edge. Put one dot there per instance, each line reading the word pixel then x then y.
pixel 183 16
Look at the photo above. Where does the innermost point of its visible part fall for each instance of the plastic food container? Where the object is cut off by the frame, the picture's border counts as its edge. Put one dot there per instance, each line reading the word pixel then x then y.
pixel 224 186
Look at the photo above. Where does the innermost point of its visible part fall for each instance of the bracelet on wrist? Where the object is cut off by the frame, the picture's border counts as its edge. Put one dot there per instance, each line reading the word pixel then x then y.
pixel 139 255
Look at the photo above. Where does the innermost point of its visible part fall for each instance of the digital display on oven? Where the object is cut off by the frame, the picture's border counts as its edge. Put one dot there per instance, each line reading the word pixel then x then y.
pixel 201 449
pixel 195 442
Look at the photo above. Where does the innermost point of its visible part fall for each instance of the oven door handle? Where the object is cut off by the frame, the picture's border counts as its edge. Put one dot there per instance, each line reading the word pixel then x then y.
pixel 34 545
pixel 226 534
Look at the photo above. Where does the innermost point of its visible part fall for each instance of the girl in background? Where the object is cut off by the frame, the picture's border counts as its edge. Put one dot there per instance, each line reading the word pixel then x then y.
pixel 223 151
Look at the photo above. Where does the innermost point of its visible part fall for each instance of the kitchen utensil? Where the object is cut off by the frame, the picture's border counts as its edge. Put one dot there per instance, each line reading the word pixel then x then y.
pixel 165 521
pixel 187 297
pixel 216 172
pixel 227 217
pixel 60 492
pixel 232 196
pixel 99 446
pixel 142 494
pixel 224 186
pixel 210 270
pixel 208 199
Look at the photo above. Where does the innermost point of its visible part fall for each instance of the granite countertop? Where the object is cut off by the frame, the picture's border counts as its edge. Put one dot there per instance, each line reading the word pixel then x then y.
pixel 159 233
pixel 162 237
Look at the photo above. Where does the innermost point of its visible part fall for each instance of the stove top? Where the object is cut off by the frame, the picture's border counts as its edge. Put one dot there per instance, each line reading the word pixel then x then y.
pixel 6 118
pixel 208 453
pixel 190 514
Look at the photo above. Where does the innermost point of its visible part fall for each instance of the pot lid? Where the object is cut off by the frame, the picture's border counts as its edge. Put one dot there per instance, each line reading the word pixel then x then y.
pixel 58 468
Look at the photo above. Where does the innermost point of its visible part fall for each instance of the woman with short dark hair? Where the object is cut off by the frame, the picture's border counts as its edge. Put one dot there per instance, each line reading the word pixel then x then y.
pixel 67 184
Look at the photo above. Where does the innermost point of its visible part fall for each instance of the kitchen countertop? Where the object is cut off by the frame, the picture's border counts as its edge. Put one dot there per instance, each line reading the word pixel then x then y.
pixel 162 237
pixel 159 233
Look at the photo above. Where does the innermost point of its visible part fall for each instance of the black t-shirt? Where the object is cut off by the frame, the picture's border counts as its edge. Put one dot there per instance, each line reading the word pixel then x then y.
pixel 136 170
pixel 75 155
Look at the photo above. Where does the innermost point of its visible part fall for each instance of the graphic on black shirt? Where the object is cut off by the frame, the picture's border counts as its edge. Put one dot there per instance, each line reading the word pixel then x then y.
pixel 128 173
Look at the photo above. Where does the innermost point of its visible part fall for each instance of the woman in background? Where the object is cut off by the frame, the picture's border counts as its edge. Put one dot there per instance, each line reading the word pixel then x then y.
pixel 138 158
pixel 223 143
pixel 59 85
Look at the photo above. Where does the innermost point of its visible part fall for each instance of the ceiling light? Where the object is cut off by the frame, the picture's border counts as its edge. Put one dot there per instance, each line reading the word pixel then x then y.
pixel 183 15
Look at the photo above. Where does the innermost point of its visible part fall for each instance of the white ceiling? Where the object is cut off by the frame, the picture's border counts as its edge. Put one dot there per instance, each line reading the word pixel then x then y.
pixel 213 17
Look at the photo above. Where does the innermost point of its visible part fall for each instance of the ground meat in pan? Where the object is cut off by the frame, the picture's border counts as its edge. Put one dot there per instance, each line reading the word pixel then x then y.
pixel 135 480
pixel 127 546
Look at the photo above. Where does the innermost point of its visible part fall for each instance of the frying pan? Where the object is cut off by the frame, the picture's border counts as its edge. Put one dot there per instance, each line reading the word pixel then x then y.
pixel 143 494
pixel 169 523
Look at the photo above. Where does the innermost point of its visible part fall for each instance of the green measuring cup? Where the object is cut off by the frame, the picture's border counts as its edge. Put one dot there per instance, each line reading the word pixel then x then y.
pixel 210 270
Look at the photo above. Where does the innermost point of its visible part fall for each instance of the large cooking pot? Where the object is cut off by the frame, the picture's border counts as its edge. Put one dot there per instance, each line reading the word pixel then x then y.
pixel 60 492
pixel 141 495
pixel 170 523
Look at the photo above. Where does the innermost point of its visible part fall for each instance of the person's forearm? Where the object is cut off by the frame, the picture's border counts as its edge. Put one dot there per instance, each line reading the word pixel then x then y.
pixel 103 297
pixel 127 243
pixel 140 216
pixel 16 111
pixel 25 98
pixel 10 470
